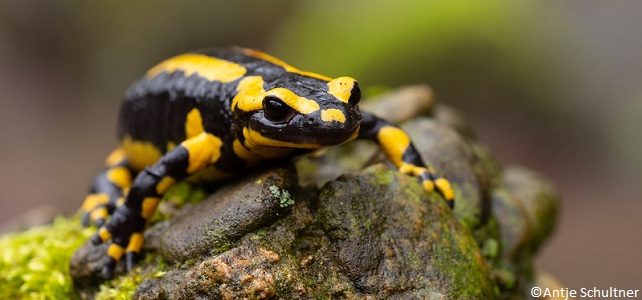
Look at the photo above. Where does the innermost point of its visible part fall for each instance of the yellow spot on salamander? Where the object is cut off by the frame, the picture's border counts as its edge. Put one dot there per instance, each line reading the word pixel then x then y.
pixel 428 185
pixel 243 153
pixel 194 123
pixel 136 241
pixel 114 251
pixel 411 169
pixel 120 176
pixel 209 174
pixel 341 88
pixel 332 114
pixel 117 156
pixel 99 213
pixel 250 94
pixel 140 154
pixel 278 62
pixel 318 153
pixel 164 184
pixel 302 105
pixel 268 148
pixel 203 149
pixel 254 140
pixel 444 187
pixel 210 68
pixel 393 142
pixel 149 207
pixel 170 146
pixel 104 234
pixel 93 200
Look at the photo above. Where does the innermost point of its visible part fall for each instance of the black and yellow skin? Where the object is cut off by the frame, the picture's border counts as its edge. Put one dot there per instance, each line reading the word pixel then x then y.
pixel 209 115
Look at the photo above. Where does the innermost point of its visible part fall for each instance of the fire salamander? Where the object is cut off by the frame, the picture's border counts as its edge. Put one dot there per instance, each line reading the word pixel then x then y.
pixel 210 115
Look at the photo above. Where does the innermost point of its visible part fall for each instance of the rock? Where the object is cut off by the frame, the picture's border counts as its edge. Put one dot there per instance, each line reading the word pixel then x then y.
pixel 525 206
pixel 235 274
pixel 546 281
pixel 390 239
pixel 346 226
pixel 374 235
pixel 452 118
pixel 86 264
pixel 525 209
pixel 217 223
pixel 315 171
pixel 401 104
pixel 465 163
pixel 212 226
pixel 454 158
pixel 539 201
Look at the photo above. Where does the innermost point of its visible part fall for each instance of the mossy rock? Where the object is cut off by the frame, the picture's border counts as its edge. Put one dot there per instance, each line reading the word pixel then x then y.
pixel 342 226
pixel 374 234
pixel 392 240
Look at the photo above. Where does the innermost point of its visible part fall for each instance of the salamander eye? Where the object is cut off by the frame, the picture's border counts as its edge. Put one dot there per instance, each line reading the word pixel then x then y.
pixel 276 111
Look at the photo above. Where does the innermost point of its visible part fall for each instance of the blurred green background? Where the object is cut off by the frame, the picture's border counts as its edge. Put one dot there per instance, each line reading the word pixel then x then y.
pixel 552 85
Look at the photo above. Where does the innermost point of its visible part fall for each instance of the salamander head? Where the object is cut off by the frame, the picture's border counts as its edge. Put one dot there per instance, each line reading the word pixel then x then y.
pixel 298 111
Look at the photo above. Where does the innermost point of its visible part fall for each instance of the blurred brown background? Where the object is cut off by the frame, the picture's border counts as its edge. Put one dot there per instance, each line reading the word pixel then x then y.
pixel 555 86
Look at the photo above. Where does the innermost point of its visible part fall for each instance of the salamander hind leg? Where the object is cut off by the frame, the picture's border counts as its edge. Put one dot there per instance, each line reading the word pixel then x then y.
pixel 108 190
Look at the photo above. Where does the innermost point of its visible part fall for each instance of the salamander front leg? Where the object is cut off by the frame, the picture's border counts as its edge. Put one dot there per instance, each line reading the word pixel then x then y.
pixel 397 146
pixel 125 228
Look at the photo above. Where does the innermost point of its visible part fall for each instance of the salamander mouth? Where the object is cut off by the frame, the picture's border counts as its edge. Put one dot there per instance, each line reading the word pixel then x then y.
pixel 303 137
pixel 305 131
pixel 324 140
pixel 297 139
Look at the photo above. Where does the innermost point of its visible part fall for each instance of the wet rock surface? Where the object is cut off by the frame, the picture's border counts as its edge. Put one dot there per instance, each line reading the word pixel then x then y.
pixel 374 234
pixel 353 228
pixel 453 157
pixel 391 239
pixel 225 217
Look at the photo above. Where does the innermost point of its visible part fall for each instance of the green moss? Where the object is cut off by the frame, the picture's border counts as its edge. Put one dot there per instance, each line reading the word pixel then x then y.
pixel 34 264
pixel 468 272
pixel 222 248
pixel 414 192
pixel 465 211
pixel 120 288
pixel 123 287
pixel 176 197
pixel 382 174
pixel 491 248
pixel 182 193
pixel 259 234
pixel 505 275
pixel 189 263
